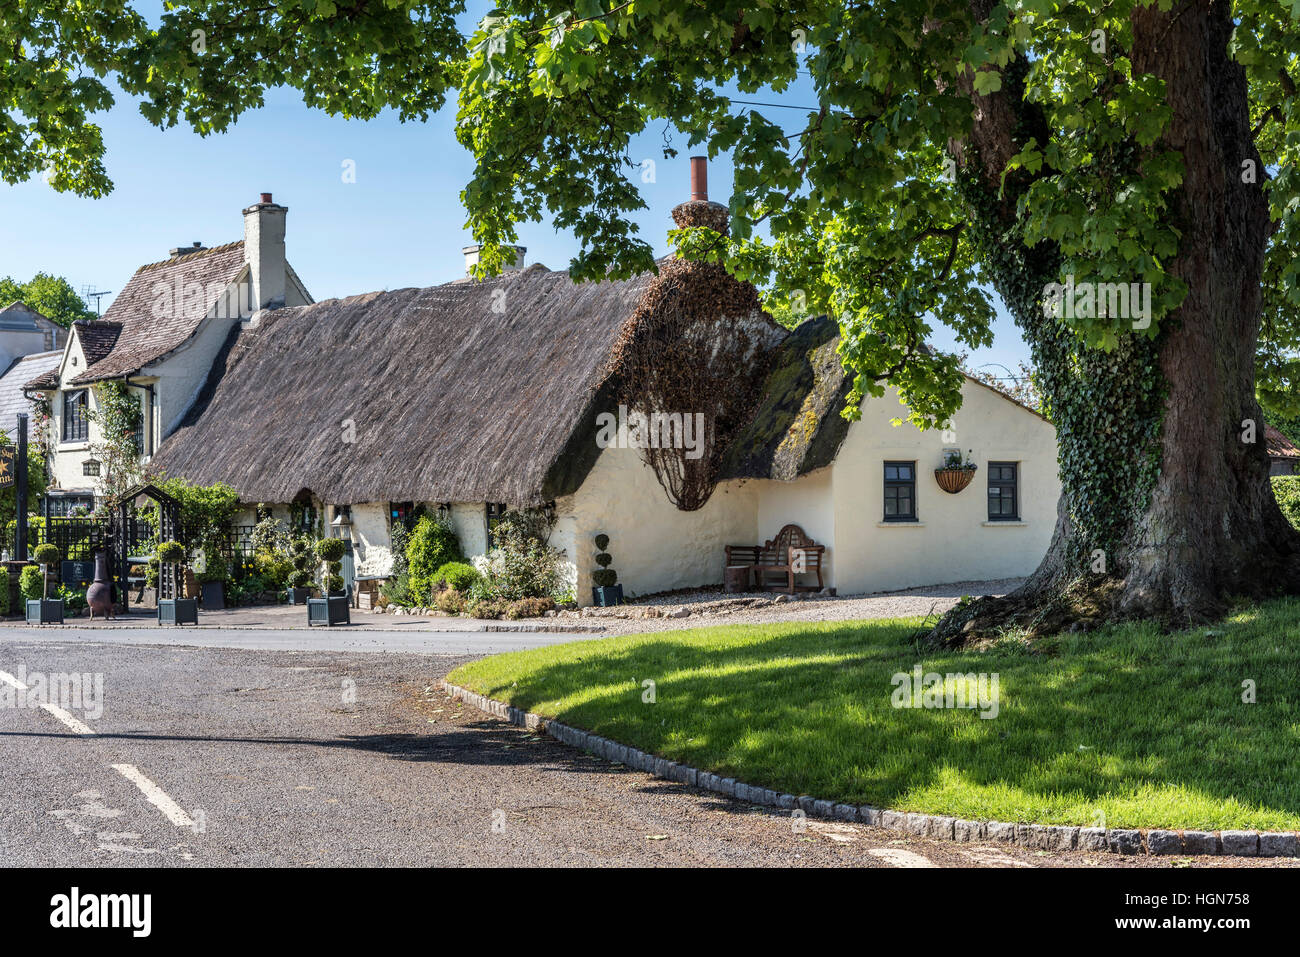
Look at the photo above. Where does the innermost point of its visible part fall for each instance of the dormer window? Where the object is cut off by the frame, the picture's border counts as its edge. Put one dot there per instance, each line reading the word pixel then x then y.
pixel 76 424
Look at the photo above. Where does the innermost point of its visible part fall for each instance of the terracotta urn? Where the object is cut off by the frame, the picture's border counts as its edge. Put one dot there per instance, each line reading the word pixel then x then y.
pixel 99 596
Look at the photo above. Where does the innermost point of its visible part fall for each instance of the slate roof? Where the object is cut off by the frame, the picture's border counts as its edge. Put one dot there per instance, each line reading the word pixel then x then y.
pixel 16 378
pixel 20 317
pixel 159 309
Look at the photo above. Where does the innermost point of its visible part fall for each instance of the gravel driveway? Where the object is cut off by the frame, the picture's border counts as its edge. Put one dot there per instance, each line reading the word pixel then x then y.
pixel 927 600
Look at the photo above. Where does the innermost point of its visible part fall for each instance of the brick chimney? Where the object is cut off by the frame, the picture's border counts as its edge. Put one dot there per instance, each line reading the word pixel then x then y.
pixel 698 210
pixel 471 258
pixel 186 250
pixel 264 252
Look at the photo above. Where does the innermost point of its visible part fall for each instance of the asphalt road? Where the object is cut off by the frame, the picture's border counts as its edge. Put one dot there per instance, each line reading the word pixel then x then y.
pixel 472 643
pixel 228 756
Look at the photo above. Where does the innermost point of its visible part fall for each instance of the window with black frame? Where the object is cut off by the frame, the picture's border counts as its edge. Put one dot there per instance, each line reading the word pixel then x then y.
pixel 495 512
pixel 76 424
pixel 900 491
pixel 138 437
pixel 1004 492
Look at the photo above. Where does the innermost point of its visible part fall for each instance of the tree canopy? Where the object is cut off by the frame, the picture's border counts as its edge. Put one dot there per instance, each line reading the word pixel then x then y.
pixel 51 296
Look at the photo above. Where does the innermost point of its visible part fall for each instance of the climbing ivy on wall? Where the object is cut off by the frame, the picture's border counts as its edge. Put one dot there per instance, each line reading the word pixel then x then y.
pixel 1106 405
pixel 117 413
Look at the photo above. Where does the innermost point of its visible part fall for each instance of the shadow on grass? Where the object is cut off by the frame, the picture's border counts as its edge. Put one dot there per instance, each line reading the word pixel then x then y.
pixel 1151 726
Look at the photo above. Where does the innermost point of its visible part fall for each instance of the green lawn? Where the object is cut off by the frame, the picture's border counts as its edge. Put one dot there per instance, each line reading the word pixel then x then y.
pixel 1149 729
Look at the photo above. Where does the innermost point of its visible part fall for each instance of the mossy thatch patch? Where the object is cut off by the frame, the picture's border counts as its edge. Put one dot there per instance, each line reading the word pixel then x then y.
pixel 798 426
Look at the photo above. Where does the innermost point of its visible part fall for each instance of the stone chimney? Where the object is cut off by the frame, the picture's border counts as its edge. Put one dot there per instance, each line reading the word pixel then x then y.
pixel 186 250
pixel 264 252
pixel 471 257
pixel 698 211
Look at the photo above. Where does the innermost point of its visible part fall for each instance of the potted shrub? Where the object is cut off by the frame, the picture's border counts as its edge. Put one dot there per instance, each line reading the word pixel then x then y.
pixel 955 474
pixel 299 589
pixel 605 590
pixel 333 608
pixel 212 580
pixel 42 610
pixel 175 611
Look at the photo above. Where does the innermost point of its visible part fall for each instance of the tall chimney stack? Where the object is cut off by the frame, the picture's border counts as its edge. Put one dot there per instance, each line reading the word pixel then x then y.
pixel 264 252
pixel 698 210
pixel 699 179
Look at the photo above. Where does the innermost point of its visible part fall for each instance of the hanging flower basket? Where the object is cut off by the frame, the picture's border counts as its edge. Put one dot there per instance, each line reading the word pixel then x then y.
pixel 953 480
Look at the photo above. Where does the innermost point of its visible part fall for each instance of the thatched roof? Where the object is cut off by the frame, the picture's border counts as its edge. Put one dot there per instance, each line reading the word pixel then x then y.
pixel 469 391
pixel 160 308
pixel 798 426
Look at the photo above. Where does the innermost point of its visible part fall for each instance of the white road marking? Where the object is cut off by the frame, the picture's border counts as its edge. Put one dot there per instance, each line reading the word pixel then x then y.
pixel 897 857
pixel 53 709
pixel 66 718
pixel 154 795
pixel 152 792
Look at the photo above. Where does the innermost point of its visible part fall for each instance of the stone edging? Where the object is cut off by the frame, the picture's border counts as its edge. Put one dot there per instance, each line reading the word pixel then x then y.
pixel 1036 836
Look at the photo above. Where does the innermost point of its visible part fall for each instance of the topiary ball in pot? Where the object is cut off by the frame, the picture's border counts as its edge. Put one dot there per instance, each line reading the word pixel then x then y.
pixel 605 588
pixel 330 549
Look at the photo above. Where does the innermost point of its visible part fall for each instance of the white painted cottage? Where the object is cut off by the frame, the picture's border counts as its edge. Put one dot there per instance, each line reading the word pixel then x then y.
pixel 471 397
pixel 160 338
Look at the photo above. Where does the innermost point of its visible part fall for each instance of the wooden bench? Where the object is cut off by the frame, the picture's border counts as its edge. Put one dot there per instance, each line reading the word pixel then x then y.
pixel 791 553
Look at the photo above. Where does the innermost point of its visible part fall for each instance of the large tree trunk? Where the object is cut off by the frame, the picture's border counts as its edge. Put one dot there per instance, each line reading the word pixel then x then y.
pixel 1206 525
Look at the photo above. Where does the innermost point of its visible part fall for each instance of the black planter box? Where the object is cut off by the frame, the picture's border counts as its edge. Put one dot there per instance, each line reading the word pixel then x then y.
pixel 214 595
pixel 298 596
pixel 178 611
pixel 328 611
pixel 607 596
pixel 45 611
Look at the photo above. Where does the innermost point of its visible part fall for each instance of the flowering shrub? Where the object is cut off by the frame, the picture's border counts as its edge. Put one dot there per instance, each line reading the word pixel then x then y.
pixel 523 565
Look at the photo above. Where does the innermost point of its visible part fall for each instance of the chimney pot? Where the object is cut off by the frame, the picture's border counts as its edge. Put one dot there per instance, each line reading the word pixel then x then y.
pixel 266 198
pixel 471 254
pixel 699 179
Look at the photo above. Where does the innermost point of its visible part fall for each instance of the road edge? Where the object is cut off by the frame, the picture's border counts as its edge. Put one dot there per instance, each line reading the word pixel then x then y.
pixel 1046 837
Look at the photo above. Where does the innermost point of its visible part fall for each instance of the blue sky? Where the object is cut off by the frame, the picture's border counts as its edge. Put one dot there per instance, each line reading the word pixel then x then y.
pixel 400 224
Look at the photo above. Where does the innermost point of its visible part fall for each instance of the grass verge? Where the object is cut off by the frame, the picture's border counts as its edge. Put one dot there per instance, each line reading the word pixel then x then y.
pixel 1123 727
